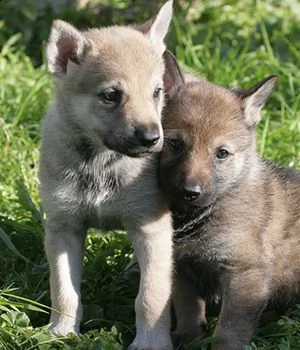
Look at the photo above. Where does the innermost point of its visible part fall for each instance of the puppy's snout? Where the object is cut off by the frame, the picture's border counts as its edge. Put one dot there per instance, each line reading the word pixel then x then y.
pixel 148 137
pixel 191 190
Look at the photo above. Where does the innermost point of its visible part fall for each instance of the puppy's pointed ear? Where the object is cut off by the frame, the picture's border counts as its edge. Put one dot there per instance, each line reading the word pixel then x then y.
pixel 173 76
pixel 157 28
pixel 255 98
pixel 65 44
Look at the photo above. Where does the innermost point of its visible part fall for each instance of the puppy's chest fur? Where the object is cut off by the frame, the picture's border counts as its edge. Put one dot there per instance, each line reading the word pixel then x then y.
pixel 97 178
pixel 94 185
pixel 201 253
pixel 197 236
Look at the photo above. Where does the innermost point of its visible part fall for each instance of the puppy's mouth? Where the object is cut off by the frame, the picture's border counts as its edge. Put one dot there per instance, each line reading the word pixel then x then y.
pixel 138 153
pixel 133 150
pixel 182 203
pixel 190 211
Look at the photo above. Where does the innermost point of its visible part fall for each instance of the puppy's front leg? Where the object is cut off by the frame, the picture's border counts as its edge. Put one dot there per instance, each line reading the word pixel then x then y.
pixel 244 297
pixel 153 247
pixel 64 250
pixel 189 306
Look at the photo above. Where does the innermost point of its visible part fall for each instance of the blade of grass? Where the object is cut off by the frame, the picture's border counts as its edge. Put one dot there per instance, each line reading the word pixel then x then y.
pixel 7 241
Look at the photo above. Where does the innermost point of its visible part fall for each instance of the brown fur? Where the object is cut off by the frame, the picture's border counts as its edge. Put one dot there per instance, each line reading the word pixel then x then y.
pixel 237 234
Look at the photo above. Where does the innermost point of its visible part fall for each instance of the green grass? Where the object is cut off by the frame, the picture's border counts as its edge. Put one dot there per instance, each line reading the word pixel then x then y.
pixel 228 42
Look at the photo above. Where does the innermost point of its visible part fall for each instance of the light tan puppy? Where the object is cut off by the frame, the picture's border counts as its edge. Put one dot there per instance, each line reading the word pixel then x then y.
pixel 236 217
pixel 98 164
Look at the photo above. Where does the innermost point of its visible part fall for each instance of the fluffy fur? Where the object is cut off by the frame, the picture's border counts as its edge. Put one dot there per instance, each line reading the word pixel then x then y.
pixel 98 165
pixel 236 217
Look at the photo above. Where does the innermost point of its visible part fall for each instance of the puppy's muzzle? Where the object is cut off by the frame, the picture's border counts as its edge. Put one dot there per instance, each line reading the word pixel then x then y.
pixel 136 141
pixel 148 137
pixel 190 190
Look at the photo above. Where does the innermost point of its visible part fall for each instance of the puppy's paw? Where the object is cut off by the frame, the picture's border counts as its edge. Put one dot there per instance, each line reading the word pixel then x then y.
pixel 152 344
pixel 150 347
pixel 182 339
pixel 63 329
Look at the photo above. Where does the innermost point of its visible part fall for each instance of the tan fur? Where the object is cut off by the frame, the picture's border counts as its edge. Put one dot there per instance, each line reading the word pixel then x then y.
pixel 237 234
pixel 98 165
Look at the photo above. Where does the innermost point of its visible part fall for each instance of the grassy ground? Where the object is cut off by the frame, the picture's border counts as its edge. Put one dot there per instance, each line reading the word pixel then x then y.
pixel 227 42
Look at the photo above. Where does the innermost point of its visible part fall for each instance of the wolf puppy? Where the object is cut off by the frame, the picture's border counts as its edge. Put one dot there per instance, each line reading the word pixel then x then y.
pixel 237 218
pixel 105 116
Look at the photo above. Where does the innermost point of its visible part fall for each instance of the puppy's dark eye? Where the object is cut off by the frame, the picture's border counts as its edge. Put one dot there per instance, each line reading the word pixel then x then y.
pixel 157 93
pixel 176 143
pixel 222 153
pixel 111 96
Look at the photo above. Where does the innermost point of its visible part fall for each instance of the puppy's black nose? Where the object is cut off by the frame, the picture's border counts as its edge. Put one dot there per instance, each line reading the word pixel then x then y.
pixel 148 137
pixel 191 190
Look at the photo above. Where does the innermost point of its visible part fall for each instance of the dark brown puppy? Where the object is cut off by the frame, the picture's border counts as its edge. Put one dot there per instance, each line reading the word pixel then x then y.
pixel 236 217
